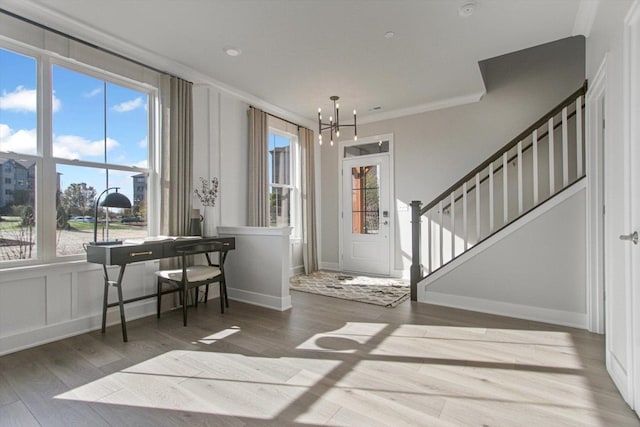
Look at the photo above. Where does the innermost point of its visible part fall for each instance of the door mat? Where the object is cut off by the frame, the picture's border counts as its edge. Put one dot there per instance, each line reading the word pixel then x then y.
pixel 384 291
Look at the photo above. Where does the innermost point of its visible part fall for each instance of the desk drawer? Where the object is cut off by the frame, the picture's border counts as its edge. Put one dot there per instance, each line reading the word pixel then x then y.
pixel 229 243
pixel 136 254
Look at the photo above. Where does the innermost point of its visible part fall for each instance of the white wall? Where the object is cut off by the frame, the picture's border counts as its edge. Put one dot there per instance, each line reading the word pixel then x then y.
pixel 220 150
pixel 545 282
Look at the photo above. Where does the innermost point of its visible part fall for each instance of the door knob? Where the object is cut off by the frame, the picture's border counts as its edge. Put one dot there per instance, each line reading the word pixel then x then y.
pixel 633 237
pixel 386 222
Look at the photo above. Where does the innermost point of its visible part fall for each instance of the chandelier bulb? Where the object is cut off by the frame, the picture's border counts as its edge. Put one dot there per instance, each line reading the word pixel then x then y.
pixel 337 105
pixel 319 110
pixel 354 112
pixel 338 133
pixel 332 142
pixel 355 137
pixel 331 119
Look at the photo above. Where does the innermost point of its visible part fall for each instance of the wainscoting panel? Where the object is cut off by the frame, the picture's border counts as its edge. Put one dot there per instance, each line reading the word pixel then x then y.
pixel 58 289
pixel 27 294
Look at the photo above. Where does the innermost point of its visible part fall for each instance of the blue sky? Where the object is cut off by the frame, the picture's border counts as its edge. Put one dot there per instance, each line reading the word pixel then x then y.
pixel 78 121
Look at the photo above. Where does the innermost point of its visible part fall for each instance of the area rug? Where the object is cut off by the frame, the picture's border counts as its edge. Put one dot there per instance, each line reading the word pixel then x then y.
pixel 371 290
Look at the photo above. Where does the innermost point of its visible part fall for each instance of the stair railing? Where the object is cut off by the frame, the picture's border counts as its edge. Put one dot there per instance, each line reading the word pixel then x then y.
pixel 536 165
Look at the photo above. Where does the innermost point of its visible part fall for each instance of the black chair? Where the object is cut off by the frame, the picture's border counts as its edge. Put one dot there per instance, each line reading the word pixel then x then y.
pixel 192 277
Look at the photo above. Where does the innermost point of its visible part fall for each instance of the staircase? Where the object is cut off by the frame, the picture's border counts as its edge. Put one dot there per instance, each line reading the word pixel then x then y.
pixel 538 165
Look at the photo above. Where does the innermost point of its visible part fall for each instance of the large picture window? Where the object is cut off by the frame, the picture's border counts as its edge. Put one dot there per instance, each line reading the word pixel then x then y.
pixel 61 144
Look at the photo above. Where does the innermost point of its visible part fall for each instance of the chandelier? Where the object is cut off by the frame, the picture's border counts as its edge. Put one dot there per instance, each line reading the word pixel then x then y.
pixel 334 125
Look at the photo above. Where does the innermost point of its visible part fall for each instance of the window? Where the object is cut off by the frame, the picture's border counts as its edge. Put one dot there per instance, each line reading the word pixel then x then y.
pixel 284 176
pixel 100 128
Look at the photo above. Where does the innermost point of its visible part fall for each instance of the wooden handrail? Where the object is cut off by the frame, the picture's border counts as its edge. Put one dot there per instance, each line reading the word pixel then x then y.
pixel 570 99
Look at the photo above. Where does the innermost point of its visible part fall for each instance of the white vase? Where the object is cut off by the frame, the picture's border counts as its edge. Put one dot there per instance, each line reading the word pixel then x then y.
pixel 210 224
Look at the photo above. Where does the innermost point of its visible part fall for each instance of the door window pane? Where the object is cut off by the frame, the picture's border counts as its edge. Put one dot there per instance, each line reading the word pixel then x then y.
pixel 366 149
pixel 365 199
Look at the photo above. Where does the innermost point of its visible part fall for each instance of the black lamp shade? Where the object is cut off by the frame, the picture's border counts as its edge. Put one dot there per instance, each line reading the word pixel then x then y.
pixel 113 200
pixel 116 200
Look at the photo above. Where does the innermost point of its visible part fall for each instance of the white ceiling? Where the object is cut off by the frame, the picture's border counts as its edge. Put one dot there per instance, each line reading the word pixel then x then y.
pixel 297 53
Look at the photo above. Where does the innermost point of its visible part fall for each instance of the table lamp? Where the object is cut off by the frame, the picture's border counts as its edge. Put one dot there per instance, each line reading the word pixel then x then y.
pixel 113 200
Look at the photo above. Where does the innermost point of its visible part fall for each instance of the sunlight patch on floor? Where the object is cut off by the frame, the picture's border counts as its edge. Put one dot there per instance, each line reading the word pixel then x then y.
pixel 207 382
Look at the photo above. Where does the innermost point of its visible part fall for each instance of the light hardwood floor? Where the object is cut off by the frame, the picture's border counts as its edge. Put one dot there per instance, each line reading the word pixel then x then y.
pixel 325 362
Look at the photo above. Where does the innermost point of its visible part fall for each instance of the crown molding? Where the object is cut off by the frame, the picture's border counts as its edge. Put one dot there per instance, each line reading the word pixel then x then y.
pixel 585 17
pixel 423 108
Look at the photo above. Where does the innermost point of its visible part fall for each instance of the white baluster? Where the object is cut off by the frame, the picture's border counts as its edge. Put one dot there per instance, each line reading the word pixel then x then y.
pixel 579 137
pixel 535 167
pixel 505 187
pixel 565 148
pixel 465 228
pixel 453 224
pixel 520 195
pixel 478 207
pixel 552 184
pixel 440 208
pixel 491 197
pixel 430 240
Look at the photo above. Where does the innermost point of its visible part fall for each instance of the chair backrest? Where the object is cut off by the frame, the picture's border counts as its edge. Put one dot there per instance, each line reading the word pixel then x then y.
pixel 198 247
pixel 205 247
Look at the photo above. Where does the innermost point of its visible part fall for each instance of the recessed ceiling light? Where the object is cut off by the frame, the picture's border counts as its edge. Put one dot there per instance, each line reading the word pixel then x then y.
pixel 232 51
pixel 466 10
pixel 389 34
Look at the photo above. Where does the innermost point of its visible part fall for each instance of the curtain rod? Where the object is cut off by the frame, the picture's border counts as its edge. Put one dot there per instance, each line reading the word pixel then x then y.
pixel 280 118
pixel 84 42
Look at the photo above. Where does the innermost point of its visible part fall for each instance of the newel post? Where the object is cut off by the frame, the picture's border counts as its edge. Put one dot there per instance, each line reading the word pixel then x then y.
pixel 416 267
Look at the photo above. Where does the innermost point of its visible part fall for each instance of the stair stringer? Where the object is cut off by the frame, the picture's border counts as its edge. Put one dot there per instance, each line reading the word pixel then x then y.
pixel 479 280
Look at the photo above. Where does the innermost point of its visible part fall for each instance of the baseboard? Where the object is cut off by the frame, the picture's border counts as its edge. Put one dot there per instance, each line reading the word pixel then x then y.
pixel 296 270
pixel 58 331
pixel 331 266
pixel 538 314
pixel 262 300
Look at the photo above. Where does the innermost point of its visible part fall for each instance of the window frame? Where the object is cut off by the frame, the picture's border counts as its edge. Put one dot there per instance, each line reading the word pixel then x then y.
pixel 46 164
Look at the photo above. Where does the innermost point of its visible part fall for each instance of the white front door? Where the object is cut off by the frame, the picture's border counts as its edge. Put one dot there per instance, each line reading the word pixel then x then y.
pixel 366 215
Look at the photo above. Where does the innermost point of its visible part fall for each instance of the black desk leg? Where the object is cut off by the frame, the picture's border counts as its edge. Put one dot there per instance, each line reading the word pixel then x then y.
pixel 118 285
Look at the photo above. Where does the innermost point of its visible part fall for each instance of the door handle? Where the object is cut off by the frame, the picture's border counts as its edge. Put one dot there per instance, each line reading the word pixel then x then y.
pixel 386 223
pixel 633 237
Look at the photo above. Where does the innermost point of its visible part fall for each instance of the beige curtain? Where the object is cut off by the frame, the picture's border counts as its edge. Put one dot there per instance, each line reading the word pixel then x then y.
pixel 177 155
pixel 310 240
pixel 258 171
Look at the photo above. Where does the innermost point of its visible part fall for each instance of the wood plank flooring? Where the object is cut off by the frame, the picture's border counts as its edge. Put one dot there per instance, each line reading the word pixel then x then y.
pixel 325 362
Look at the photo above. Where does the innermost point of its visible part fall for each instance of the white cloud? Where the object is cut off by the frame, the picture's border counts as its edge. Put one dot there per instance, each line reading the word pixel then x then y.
pixel 143 143
pixel 21 141
pixel 77 147
pixel 142 164
pixel 133 104
pixel 23 100
pixel 93 93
